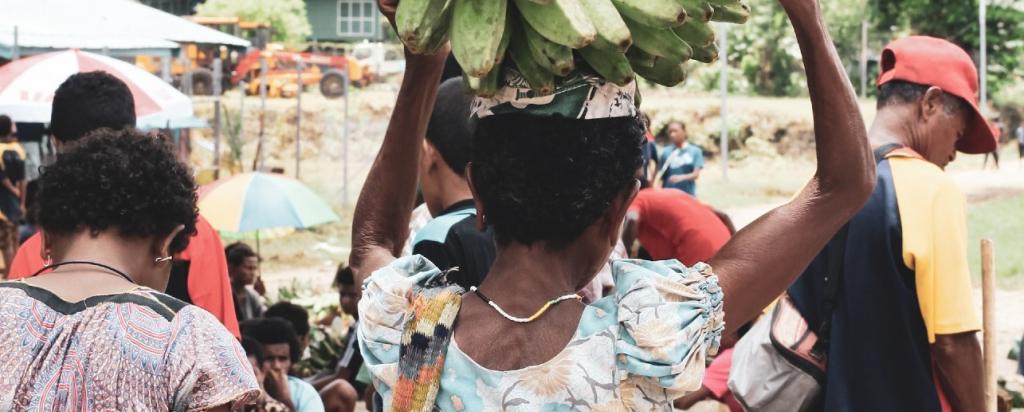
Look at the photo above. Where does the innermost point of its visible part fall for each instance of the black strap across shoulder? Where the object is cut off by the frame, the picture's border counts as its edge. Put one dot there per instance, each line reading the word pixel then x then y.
pixel 837 270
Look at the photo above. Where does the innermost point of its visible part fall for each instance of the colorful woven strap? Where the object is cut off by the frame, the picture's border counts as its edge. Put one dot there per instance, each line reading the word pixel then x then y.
pixel 424 344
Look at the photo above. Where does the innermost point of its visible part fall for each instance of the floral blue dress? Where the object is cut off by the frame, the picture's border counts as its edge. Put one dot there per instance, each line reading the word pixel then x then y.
pixel 634 351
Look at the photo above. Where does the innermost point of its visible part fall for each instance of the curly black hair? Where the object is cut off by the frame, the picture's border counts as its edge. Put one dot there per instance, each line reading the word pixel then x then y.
pixel 294 314
pixel 272 331
pixel 89 101
pixel 546 179
pixel 123 180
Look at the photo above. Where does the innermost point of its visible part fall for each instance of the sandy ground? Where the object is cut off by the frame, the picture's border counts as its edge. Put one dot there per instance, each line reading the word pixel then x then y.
pixel 978 186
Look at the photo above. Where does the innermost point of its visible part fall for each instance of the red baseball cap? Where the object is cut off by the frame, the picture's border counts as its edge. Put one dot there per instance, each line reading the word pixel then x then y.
pixel 936 62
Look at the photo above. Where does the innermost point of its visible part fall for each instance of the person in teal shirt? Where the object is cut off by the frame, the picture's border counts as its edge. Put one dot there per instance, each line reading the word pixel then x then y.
pixel 680 164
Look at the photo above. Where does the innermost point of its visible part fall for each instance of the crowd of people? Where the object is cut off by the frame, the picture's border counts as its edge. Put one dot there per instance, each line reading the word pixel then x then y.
pixel 552 258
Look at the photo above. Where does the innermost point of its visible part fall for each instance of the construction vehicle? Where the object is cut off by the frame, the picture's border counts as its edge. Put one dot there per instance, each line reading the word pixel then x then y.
pixel 195 62
pixel 283 72
pixel 385 59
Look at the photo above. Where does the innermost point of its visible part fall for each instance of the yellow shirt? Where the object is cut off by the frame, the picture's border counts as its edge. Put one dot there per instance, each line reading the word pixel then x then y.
pixel 934 227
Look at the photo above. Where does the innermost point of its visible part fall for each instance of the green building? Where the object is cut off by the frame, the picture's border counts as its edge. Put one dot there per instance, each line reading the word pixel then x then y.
pixel 344 20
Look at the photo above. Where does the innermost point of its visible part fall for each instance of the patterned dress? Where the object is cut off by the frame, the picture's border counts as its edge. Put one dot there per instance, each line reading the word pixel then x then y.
pixel 135 351
pixel 634 351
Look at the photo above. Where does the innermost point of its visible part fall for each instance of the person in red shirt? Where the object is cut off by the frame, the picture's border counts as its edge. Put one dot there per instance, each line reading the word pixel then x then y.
pixel 93 100
pixel 671 224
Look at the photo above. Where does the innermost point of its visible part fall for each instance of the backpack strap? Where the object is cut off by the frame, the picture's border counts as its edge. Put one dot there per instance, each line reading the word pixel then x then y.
pixel 424 345
pixel 837 270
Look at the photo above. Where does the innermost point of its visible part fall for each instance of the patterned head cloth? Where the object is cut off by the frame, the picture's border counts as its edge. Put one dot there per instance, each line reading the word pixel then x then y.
pixel 580 95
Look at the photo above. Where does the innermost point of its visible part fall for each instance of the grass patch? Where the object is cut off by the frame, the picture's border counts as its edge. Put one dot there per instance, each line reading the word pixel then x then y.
pixel 753 182
pixel 999 220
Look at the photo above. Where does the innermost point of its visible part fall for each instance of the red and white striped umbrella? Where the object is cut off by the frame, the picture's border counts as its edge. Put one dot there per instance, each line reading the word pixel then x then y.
pixel 27 86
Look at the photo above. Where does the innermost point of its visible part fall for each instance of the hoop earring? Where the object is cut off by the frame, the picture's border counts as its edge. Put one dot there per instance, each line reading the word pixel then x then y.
pixel 163 259
pixel 48 260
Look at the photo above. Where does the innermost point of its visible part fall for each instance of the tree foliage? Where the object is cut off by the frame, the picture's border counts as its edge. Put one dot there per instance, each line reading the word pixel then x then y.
pixel 765 49
pixel 957 21
pixel 287 18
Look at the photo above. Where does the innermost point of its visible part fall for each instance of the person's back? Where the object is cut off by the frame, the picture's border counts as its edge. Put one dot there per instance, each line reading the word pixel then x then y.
pixel 91 331
pixel 671 224
pixel 93 100
pixel 902 331
pixel 88 355
pixel 879 353
pixel 554 178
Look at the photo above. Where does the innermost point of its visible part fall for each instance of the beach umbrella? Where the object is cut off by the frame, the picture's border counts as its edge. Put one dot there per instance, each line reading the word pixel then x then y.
pixel 258 201
pixel 27 86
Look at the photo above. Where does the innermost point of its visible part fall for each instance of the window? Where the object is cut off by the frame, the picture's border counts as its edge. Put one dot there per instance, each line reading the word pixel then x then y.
pixel 357 18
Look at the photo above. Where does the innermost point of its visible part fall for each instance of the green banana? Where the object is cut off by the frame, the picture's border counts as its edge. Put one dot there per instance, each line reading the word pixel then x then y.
pixel 539 79
pixel 639 57
pixel 437 37
pixel 612 66
pixel 696 33
pixel 554 57
pixel 654 13
pixel 737 13
pixel 416 20
pixel 506 35
pixel 718 3
pixel 698 10
pixel 659 42
pixel 705 54
pixel 474 23
pixel 486 86
pixel 665 72
pixel 562 21
pixel 610 27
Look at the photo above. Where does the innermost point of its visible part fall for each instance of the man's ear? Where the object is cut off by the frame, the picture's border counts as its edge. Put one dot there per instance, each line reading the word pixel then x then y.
pixel 481 218
pixel 933 101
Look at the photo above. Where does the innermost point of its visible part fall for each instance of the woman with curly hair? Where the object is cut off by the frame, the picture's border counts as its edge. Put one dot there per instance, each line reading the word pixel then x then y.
pixel 554 176
pixel 95 332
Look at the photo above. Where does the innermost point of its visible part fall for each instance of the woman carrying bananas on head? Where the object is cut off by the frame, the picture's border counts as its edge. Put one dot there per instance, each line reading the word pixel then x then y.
pixel 553 176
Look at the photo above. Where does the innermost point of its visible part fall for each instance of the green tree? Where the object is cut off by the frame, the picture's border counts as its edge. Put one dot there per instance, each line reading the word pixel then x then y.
pixel 287 18
pixel 765 48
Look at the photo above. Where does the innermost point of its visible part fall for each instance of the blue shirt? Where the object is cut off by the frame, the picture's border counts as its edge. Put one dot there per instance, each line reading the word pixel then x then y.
pixel 676 161
pixel 304 396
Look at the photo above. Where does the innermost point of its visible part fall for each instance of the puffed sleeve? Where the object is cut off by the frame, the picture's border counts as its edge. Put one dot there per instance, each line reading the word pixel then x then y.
pixel 670 318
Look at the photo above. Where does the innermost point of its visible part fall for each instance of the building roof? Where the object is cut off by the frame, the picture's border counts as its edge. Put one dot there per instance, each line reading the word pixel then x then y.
pixel 100 24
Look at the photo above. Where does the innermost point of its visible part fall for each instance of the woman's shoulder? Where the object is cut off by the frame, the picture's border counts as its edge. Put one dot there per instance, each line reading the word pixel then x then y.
pixel 389 298
pixel 388 292
pixel 670 318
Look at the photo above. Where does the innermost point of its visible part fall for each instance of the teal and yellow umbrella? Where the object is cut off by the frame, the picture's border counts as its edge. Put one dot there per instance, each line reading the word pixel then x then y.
pixel 257 201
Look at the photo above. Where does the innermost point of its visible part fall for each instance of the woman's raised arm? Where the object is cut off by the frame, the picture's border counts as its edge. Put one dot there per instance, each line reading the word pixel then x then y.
pixel 763 259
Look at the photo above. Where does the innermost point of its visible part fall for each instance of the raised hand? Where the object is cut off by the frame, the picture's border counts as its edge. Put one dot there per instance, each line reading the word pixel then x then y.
pixel 388 8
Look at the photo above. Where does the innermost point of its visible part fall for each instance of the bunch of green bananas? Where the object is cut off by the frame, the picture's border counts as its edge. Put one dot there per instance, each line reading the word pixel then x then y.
pixel 545 39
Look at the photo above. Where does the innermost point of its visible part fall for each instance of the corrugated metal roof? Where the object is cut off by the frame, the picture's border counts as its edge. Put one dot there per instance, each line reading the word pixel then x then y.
pixel 98 24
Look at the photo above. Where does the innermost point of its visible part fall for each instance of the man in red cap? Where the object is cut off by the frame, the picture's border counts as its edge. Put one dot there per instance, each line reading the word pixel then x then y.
pixel 900 322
